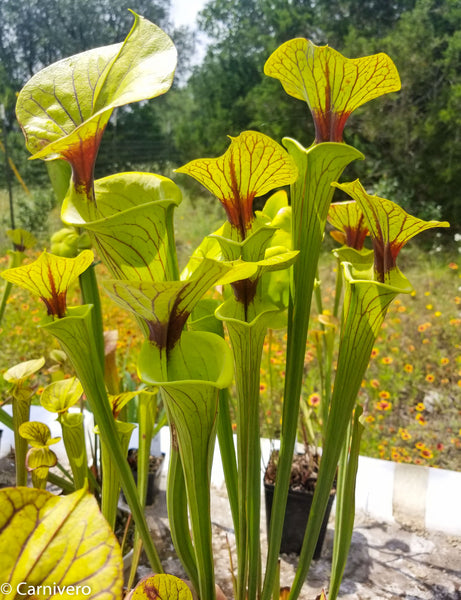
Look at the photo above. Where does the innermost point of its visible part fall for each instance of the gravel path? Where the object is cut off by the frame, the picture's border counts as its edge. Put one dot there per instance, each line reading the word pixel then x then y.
pixel 386 561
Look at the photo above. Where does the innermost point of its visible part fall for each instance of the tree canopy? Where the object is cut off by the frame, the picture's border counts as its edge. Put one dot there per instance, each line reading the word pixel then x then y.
pixel 412 140
pixel 34 34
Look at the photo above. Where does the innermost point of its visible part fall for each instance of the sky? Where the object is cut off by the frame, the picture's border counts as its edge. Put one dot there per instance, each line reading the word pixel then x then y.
pixel 185 11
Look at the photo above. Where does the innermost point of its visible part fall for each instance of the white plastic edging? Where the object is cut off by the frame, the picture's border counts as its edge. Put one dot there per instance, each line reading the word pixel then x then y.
pixel 414 495
pixel 375 488
pixel 443 501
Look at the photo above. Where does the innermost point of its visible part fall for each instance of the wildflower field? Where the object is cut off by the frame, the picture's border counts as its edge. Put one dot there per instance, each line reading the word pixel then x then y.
pixel 412 391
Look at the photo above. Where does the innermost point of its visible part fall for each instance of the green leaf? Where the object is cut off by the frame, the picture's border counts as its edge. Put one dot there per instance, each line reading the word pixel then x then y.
pixel 49 277
pixel 311 194
pixel 64 242
pixel 216 370
pixel 111 486
pixel 345 500
pixel 127 191
pixel 347 218
pixel 189 379
pixel 47 540
pixel 131 226
pixel 22 394
pixel 254 256
pixel 37 434
pixel 283 225
pixel 389 225
pixel 38 462
pixel 246 326
pixel 208 248
pixel 59 172
pixel 161 587
pixel 277 258
pixel 22 371
pixel 75 334
pixel 332 85
pixel 259 312
pixel 276 284
pixel 166 306
pixel 118 401
pixel 254 251
pixel 22 239
pixel 274 204
pixel 366 302
pixel 73 434
pixel 252 166
pixel 250 249
pixel 362 257
pixel 41 459
pixel 203 317
pixel 59 396
pixel 64 109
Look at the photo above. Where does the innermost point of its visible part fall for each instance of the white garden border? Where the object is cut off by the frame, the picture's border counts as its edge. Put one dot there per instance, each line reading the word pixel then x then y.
pixel 412 495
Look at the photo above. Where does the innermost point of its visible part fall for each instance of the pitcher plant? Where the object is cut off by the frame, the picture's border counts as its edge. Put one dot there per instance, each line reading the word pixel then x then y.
pixel 261 264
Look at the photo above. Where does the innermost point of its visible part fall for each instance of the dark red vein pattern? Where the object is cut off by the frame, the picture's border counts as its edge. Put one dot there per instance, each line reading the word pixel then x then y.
pixel 333 86
pixel 252 166
pixel 58 541
pixel 348 218
pixel 390 226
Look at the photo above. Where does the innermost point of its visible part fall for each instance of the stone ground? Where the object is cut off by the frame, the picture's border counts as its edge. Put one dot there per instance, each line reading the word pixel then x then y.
pixel 386 561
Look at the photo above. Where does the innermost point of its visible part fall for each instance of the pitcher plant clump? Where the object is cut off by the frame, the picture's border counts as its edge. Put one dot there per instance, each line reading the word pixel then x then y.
pixel 262 266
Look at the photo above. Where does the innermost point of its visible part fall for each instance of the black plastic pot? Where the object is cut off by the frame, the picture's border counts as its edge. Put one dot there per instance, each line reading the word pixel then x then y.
pixel 296 516
pixel 152 486
pixel 152 481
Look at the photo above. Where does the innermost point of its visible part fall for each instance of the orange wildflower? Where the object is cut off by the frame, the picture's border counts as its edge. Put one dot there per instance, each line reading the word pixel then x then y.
pixel 314 399
pixel 405 434
pixel 426 453
pixel 384 405
pixel 421 420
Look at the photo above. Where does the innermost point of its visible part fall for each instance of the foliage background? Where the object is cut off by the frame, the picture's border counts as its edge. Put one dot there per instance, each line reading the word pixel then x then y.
pixel 411 140
pixel 414 159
